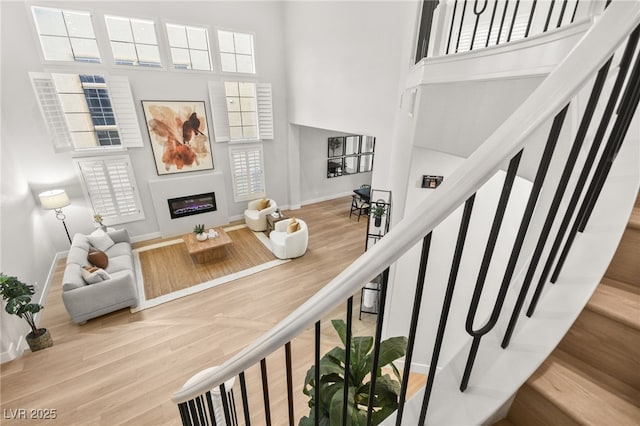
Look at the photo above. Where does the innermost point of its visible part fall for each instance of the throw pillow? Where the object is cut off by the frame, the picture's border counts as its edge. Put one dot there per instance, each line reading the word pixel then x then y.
pixel 100 241
pixel 92 275
pixel 293 226
pixel 264 203
pixel 98 258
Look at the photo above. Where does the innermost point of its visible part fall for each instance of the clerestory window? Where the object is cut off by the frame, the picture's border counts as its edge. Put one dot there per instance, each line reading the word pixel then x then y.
pixel 66 35
pixel 133 41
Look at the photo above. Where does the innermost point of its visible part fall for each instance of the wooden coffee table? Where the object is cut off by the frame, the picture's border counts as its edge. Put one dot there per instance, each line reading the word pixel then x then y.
pixel 211 249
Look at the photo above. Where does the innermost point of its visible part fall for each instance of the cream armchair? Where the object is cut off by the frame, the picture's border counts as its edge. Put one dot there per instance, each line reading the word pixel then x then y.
pixel 255 217
pixel 285 245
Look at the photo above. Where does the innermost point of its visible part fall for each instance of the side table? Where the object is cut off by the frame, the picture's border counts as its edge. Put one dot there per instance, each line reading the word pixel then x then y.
pixel 271 221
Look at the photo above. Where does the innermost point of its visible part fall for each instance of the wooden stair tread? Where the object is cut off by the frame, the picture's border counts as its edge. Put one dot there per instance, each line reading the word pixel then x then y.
pixel 618 301
pixel 599 376
pixel 578 396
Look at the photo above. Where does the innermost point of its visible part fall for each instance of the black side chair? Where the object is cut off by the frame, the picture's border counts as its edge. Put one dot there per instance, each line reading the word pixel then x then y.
pixel 358 206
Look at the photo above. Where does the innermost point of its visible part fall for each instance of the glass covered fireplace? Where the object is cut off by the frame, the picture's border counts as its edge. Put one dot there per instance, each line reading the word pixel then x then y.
pixel 192 204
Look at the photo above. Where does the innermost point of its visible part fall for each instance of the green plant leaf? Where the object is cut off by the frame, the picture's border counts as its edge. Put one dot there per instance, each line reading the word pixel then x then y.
pixel 354 416
pixel 341 328
pixel 390 350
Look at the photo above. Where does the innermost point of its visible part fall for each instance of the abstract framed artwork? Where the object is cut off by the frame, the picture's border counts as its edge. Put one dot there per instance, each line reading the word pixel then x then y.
pixel 179 136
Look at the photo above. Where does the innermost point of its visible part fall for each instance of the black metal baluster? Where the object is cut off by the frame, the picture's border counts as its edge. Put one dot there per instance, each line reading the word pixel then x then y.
pixel 453 19
pixel 625 63
pixel 533 198
pixel 426 23
pixel 627 108
pixel 464 9
pixel 316 407
pixel 200 407
pixel 184 414
pixel 587 117
pixel 194 413
pixel 212 411
pixel 561 17
pixel 245 399
pixel 234 412
pixel 484 269
pixel 575 9
pixel 265 392
pixel 448 297
pixel 513 20
pixel 287 356
pixel 504 15
pixel 493 15
pixel 225 404
pixel 376 345
pixel 413 326
pixel 533 11
pixel 347 362
pixel 477 13
pixel 546 24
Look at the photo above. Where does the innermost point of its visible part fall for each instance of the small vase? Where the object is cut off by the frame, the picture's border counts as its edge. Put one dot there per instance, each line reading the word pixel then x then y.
pixel 41 341
pixel 202 236
pixel 377 221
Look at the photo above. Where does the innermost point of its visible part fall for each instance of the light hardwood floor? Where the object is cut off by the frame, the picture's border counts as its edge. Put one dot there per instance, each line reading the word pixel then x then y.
pixel 123 368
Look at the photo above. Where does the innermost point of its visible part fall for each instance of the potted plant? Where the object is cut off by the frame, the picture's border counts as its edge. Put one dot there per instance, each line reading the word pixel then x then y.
pixel 199 231
pixel 18 297
pixel 377 212
pixel 387 389
pixel 98 219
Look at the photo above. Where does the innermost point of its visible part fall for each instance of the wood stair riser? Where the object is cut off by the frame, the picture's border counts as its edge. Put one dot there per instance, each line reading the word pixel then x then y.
pixel 607 345
pixel 625 265
pixel 530 408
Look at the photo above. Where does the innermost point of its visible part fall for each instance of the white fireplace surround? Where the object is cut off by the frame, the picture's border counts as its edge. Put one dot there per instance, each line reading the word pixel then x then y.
pixel 166 188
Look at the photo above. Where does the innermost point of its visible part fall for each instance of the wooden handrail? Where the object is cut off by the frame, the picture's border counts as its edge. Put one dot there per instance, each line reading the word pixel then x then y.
pixel 597 45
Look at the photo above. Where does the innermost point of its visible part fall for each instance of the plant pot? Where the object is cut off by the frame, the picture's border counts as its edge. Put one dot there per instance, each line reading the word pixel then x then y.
pixel 202 236
pixel 41 341
pixel 377 221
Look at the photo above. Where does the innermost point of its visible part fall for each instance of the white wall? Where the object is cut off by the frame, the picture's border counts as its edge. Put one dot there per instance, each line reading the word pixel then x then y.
pixel 346 62
pixel 405 271
pixel 314 184
pixel 31 236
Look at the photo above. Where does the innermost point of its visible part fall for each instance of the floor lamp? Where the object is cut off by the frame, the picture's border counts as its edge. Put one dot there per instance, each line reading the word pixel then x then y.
pixel 55 200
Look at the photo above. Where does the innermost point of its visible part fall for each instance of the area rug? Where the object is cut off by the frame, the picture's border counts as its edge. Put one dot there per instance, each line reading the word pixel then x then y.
pixel 165 271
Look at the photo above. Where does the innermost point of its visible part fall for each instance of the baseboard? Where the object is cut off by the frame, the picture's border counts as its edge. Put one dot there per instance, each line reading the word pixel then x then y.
pixel 326 198
pixel 145 237
pixel 415 367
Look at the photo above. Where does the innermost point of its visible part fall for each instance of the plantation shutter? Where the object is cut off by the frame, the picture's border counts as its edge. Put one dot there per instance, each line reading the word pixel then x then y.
pixel 248 173
pixel 51 110
pixel 218 98
pixel 125 111
pixel 110 185
pixel 265 110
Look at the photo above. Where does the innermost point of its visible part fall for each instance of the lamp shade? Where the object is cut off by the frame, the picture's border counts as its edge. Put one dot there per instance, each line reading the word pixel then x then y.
pixel 54 199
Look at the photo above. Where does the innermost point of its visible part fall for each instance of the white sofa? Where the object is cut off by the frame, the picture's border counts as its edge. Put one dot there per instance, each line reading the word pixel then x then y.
pixel 285 245
pixel 256 218
pixel 85 301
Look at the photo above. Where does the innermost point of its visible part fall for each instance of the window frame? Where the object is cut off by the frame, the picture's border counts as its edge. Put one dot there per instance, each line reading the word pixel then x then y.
pixel 55 118
pixel 168 47
pixel 220 52
pixel 159 43
pixel 238 194
pixel 219 111
pixel 115 199
pixel 34 25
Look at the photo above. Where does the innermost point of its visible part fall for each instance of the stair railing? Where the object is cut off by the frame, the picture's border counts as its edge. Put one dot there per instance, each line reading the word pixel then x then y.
pixel 617 26
pixel 464 25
